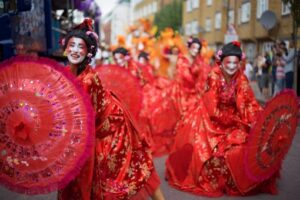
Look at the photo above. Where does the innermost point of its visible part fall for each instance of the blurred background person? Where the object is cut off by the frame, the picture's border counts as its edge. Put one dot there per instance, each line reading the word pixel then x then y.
pixel 288 55
pixel 265 78
pixel 249 70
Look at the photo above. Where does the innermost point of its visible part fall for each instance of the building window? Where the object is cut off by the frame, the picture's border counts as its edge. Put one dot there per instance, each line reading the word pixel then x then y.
pixel 285 8
pixel 262 6
pixel 218 20
pixel 195 29
pixel 245 12
pixel 149 9
pixel 188 5
pixel 239 16
pixel 195 4
pixel 208 2
pixel 208 24
pixel 188 29
pixel 231 17
pixel 154 5
pixel 146 10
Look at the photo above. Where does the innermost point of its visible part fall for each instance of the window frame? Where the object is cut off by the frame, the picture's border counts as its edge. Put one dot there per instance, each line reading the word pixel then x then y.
pixel 208 25
pixel 285 8
pixel 245 12
pixel 259 7
pixel 218 20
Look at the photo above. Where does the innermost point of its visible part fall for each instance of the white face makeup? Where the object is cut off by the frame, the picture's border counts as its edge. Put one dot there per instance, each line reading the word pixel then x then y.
pixel 230 65
pixel 105 54
pixel 142 60
pixel 194 49
pixel 120 59
pixel 76 50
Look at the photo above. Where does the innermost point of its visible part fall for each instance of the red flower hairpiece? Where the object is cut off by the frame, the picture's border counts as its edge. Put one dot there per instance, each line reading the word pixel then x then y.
pixel 86 24
pixel 236 43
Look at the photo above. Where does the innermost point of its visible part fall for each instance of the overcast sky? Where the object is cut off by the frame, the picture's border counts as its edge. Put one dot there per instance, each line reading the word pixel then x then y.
pixel 106 5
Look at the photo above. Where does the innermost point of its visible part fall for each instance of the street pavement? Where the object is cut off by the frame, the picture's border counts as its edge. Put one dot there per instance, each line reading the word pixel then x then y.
pixel 288 184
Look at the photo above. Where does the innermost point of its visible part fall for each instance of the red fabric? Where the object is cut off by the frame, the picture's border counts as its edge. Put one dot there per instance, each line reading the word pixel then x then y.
pixel 121 164
pixel 180 160
pixel 149 188
pixel 160 114
pixel 191 78
pixel 122 83
pixel 214 126
pixel 147 73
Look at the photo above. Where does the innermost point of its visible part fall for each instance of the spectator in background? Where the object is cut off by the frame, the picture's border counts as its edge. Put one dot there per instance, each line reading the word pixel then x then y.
pixel 266 66
pixel 248 69
pixel 273 54
pixel 288 56
pixel 259 61
pixel 279 86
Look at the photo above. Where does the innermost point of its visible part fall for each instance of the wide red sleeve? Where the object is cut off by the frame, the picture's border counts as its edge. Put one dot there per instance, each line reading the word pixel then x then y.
pixel 210 97
pixel 247 104
pixel 183 72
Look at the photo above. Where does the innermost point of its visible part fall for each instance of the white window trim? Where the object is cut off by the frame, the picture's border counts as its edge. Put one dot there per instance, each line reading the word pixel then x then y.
pixel 259 10
pixel 188 29
pixel 239 16
pixel 285 8
pixel 208 2
pixel 244 18
pixel 218 20
pixel 195 4
pixel 195 29
pixel 189 6
pixel 208 28
pixel 231 17
pixel 155 6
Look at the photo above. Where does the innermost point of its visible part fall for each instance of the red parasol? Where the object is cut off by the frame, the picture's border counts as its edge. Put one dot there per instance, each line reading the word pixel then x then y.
pixel 271 137
pixel 122 83
pixel 46 126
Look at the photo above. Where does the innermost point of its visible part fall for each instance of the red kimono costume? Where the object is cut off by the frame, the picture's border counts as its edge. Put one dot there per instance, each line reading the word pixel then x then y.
pixel 146 72
pixel 191 78
pixel 160 113
pixel 211 131
pixel 120 166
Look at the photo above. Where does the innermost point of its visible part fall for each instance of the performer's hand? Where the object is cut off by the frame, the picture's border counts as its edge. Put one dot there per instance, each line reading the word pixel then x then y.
pixel 88 79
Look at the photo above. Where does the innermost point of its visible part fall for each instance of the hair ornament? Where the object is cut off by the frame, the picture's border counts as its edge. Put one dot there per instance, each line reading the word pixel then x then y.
pixel 236 43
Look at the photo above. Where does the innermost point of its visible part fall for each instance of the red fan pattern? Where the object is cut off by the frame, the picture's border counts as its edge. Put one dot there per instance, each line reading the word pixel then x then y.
pixel 46 125
pixel 271 137
pixel 122 83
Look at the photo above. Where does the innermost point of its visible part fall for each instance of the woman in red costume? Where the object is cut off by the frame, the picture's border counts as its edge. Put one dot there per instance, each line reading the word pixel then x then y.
pixel 145 66
pixel 159 113
pixel 217 124
pixel 120 165
pixel 123 59
pixel 191 72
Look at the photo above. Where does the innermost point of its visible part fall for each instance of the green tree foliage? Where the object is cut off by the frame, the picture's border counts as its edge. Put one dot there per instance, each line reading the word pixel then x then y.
pixel 169 16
